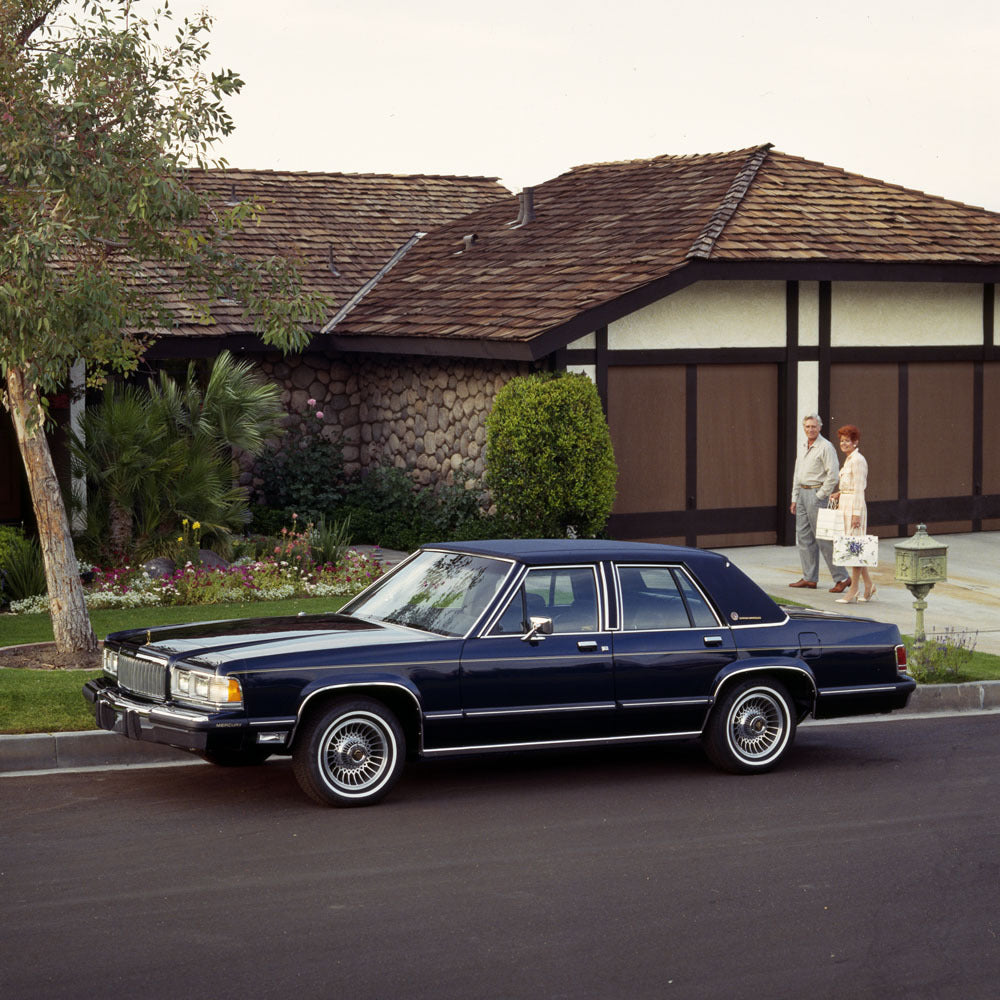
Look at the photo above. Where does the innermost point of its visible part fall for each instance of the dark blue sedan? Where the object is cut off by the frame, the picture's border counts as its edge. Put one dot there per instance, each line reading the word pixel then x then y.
pixel 503 645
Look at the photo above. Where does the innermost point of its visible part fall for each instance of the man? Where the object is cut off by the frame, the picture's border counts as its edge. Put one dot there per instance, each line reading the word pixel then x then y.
pixel 814 479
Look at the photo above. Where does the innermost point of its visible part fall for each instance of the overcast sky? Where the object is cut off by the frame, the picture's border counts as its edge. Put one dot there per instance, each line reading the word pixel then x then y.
pixel 524 89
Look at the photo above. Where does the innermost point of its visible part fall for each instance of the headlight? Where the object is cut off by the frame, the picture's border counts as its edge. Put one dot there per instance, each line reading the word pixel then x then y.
pixel 109 660
pixel 200 688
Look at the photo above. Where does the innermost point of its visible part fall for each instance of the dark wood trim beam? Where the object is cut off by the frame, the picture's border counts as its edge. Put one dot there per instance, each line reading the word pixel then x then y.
pixel 882 514
pixel 825 335
pixel 978 399
pixel 601 366
pixel 902 445
pixel 691 451
pixel 788 415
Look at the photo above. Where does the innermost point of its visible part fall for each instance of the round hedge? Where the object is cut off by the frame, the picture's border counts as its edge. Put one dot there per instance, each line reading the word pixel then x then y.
pixel 549 460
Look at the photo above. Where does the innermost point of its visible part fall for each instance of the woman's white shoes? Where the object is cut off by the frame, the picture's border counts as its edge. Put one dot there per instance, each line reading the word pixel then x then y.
pixel 869 596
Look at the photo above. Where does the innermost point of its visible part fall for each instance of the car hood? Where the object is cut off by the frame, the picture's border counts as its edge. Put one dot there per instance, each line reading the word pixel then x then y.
pixel 226 641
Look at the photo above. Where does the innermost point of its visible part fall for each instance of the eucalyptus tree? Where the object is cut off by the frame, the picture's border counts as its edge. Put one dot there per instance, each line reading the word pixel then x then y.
pixel 101 113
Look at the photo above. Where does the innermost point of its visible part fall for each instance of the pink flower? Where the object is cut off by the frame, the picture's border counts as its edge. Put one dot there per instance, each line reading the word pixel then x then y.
pixel 311 402
pixel 319 414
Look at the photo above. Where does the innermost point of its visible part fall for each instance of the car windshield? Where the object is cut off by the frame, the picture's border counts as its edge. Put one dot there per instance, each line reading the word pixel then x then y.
pixel 440 592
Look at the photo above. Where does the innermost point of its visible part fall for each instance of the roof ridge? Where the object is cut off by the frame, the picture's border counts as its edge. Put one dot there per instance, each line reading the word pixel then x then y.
pixel 281 172
pixel 702 247
pixel 356 298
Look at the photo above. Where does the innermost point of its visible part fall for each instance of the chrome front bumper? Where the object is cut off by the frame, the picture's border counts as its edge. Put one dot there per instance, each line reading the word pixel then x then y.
pixel 115 712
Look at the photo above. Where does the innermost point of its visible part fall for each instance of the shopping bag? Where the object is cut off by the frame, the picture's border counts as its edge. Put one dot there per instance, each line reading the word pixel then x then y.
pixel 855 550
pixel 829 523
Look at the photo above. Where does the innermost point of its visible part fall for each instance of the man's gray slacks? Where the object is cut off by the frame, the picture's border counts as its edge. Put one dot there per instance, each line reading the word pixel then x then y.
pixel 808 544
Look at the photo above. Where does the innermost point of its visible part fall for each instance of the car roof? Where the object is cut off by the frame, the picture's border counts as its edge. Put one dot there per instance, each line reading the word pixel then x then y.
pixel 739 600
pixel 547 551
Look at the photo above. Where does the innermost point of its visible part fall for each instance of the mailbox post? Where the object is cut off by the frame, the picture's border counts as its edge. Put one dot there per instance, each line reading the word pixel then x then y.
pixel 921 561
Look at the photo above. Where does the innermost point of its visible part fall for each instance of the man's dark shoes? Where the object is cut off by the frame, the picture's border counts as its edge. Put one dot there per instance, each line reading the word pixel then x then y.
pixel 811 584
pixel 840 587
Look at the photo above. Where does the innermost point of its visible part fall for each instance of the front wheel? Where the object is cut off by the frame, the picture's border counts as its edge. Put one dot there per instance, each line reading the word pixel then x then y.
pixel 350 754
pixel 751 728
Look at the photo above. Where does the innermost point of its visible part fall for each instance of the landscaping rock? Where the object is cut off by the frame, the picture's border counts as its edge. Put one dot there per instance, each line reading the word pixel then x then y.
pixel 212 560
pixel 159 567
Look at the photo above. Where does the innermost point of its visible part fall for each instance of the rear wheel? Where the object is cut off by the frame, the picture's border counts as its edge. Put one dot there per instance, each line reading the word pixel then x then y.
pixel 751 728
pixel 350 754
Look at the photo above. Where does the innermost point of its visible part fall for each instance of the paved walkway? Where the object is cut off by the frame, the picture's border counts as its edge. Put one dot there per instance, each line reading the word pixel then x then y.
pixel 969 601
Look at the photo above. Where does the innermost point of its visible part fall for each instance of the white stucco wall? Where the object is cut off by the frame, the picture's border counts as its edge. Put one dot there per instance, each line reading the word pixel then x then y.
pixel 587 343
pixel 906 314
pixel 808 313
pixel 808 394
pixel 589 370
pixel 709 314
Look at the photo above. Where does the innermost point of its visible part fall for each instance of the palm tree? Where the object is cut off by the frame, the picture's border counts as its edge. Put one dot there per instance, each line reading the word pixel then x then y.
pixel 154 456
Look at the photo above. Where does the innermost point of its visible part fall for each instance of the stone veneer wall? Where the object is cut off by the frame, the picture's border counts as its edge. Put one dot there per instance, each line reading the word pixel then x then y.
pixel 427 414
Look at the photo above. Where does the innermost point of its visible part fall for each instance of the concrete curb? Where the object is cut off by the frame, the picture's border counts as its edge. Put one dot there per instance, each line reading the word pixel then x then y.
pixel 55 751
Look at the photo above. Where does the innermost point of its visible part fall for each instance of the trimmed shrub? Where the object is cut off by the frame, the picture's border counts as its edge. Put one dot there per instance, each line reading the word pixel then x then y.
pixel 550 464
pixel 303 472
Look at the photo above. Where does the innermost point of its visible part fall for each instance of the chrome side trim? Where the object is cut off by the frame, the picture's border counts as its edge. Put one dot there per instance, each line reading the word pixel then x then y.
pixel 870 689
pixel 646 737
pixel 479 713
pixel 665 702
pixel 436 716
pixel 354 684
pixel 764 669
pixel 387 665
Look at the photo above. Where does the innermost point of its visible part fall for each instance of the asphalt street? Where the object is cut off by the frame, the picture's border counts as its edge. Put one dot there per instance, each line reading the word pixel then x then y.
pixel 866 866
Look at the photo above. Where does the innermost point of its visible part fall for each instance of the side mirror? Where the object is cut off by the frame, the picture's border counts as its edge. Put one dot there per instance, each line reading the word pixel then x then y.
pixel 539 627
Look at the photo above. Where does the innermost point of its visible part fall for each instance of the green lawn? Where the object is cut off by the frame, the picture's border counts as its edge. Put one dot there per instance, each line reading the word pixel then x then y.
pixel 49 701
pixel 44 701
pixel 15 630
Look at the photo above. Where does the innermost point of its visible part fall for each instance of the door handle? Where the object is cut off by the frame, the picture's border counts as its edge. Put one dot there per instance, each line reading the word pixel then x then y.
pixel 587 646
pixel 713 640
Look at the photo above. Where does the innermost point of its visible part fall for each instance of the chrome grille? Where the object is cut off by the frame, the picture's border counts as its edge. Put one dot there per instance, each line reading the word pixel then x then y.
pixel 142 677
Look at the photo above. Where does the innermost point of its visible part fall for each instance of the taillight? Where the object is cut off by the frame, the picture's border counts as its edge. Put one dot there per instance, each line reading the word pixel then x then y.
pixel 901 659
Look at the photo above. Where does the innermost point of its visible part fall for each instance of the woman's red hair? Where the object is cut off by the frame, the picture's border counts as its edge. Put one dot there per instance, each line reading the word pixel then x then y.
pixel 849 431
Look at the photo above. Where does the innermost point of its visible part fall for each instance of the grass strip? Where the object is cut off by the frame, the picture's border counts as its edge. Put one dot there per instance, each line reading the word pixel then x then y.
pixel 44 701
pixel 17 630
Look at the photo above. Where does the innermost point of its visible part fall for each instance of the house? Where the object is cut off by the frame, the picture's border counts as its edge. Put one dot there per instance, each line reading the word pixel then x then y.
pixel 342 228
pixel 713 299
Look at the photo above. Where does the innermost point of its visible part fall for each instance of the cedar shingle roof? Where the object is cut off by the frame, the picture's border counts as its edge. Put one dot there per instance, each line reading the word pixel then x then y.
pixel 607 229
pixel 355 221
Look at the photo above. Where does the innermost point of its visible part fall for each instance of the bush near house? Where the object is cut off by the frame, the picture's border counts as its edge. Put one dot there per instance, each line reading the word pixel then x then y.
pixel 549 460
pixel 303 475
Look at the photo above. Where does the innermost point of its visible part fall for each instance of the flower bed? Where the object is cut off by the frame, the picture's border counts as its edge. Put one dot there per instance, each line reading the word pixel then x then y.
pixel 261 580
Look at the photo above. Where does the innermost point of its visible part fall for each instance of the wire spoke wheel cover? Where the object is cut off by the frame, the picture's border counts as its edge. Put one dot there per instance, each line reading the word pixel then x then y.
pixel 356 750
pixel 350 754
pixel 751 727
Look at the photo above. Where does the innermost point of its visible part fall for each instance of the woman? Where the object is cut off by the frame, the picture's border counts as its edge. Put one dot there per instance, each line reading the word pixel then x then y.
pixel 850 499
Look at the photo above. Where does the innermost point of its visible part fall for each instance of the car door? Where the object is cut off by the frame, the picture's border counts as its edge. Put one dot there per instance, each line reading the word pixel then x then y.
pixel 668 649
pixel 549 688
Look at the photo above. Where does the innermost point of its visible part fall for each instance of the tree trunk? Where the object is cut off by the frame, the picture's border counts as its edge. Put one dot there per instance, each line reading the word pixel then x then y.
pixel 70 621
